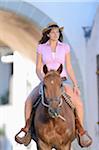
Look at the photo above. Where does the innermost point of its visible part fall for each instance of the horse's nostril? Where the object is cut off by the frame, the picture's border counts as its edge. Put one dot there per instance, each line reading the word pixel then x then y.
pixel 57 111
pixel 53 112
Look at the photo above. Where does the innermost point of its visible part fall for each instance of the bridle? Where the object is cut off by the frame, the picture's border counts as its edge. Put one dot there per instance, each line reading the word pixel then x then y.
pixel 58 98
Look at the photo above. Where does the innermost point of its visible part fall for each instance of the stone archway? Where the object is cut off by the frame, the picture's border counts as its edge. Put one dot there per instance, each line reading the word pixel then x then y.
pixel 18 33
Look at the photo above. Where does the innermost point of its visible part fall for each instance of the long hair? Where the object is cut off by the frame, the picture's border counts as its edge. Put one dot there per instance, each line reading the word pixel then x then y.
pixel 45 38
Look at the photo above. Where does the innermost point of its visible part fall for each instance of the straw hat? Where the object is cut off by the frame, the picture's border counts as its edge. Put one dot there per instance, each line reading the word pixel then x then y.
pixel 50 26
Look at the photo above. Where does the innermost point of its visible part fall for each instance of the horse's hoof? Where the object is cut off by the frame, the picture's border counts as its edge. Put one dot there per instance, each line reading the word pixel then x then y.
pixel 84 140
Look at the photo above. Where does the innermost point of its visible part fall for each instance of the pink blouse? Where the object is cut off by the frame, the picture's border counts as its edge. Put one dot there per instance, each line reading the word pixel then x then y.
pixel 59 58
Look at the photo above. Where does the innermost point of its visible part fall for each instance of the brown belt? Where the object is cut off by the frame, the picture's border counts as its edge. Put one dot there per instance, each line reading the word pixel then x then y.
pixel 64 78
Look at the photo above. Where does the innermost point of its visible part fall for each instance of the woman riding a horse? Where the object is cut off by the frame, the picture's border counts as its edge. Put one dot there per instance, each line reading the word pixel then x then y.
pixel 53 52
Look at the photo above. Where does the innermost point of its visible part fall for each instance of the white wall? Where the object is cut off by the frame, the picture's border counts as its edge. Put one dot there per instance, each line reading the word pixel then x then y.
pixel 23 70
pixel 91 81
pixel 12 116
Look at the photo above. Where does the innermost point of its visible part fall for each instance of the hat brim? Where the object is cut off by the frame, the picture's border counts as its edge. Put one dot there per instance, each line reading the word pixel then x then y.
pixel 47 29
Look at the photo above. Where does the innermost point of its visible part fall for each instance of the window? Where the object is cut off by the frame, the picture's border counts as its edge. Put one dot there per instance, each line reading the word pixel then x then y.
pixel 6 71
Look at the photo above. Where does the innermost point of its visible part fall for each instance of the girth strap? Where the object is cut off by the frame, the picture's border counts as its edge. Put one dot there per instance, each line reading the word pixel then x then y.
pixel 68 101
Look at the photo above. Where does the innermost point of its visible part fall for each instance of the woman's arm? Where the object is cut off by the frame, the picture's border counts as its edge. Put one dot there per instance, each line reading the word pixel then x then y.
pixel 70 69
pixel 39 66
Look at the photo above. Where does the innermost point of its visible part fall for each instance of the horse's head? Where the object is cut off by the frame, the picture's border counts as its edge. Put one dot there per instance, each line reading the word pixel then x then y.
pixel 52 90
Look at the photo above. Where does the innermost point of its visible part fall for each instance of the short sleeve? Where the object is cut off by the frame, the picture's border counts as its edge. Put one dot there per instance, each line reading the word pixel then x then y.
pixel 67 48
pixel 39 49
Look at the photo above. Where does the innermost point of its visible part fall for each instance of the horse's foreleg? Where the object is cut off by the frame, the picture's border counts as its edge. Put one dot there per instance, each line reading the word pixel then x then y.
pixel 43 146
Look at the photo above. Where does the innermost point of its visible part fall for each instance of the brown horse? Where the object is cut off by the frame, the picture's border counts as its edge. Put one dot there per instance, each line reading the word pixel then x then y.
pixel 54 120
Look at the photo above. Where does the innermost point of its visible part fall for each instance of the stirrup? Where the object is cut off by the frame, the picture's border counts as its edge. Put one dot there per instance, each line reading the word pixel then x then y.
pixel 17 137
pixel 81 143
pixel 23 140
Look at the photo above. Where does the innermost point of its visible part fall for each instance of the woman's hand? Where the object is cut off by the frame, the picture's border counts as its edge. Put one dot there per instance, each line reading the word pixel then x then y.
pixel 76 90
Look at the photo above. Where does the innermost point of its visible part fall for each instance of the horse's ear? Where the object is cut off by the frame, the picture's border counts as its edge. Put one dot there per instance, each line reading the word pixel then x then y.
pixel 59 70
pixel 45 69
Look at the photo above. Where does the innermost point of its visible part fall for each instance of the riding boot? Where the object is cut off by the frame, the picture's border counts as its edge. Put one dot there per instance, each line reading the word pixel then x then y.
pixel 26 139
pixel 83 137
